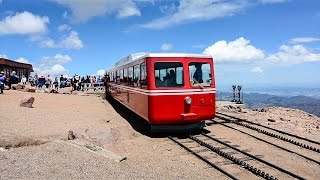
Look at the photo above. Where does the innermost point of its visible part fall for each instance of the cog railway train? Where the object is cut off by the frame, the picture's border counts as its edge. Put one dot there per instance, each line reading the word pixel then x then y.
pixel 169 90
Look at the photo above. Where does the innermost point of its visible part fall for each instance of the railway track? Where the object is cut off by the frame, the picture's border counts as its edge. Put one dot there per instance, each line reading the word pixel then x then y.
pixel 261 128
pixel 270 132
pixel 225 158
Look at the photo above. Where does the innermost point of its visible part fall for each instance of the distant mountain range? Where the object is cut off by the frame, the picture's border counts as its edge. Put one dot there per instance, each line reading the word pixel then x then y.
pixel 257 100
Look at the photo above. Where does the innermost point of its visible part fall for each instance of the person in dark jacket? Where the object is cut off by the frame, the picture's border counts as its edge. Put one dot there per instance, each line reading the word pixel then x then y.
pixel 3 81
pixel 14 79
pixel 197 76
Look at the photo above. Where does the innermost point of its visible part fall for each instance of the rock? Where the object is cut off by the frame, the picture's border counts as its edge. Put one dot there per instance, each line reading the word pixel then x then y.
pixel 66 90
pixel 30 89
pixel 71 136
pixel 263 110
pixel 47 90
pixel 271 120
pixel 27 101
pixel 50 90
pixel 282 119
pixel 17 86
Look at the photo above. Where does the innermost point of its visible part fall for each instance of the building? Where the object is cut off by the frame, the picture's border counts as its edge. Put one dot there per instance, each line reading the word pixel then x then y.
pixel 7 66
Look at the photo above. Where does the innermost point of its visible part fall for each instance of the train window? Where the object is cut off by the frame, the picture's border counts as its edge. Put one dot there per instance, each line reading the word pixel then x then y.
pixel 136 78
pixel 143 74
pixel 130 75
pixel 125 75
pixel 200 74
pixel 169 74
pixel 121 75
pixel 118 76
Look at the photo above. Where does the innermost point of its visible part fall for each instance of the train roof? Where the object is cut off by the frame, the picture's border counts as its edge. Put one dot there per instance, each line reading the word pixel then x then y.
pixel 137 56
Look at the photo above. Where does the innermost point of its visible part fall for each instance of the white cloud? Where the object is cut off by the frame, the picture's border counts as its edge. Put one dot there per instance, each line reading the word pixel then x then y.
pixel 23 60
pixel 273 1
pixel 70 42
pixel 82 10
pixel 54 71
pixel 166 47
pixel 303 40
pixel 53 65
pixel 48 43
pixel 64 27
pixel 65 15
pixel 190 10
pixel 293 55
pixel 24 23
pixel 239 50
pixel 168 9
pixel 256 70
pixel 57 59
pixel 100 72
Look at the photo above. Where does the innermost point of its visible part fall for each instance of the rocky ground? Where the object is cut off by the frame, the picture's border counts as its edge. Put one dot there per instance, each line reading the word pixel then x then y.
pixel 110 142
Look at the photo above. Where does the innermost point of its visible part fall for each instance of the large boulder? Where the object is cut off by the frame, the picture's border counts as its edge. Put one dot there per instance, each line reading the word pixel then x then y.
pixel 27 101
pixel 17 86
pixel 66 90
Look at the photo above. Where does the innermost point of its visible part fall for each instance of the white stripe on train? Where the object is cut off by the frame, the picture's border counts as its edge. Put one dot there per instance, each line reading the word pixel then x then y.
pixel 167 92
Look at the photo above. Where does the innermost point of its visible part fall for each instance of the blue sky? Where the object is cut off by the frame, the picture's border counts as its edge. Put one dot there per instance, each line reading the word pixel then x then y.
pixel 253 42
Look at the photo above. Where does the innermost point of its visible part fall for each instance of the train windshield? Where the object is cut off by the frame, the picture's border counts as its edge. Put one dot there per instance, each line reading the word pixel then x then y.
pixel 168 74
pixel 200 74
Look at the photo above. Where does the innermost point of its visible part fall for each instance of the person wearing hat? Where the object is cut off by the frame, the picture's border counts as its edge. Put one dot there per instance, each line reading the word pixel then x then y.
pixel 14 79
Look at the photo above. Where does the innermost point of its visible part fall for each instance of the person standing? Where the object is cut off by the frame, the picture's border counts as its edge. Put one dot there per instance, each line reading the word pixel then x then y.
pixel 3 81
pixel 49 82
pixel 23 80
pixel 56 83
pixel 31 80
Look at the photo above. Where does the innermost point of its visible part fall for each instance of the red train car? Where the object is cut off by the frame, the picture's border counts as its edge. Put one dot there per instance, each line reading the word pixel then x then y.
pixel 169 90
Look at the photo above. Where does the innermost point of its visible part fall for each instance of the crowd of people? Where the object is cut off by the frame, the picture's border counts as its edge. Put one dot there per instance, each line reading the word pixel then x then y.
pixel 76 82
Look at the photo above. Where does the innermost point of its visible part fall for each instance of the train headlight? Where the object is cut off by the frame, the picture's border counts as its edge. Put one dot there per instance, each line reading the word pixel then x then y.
pixel 188 100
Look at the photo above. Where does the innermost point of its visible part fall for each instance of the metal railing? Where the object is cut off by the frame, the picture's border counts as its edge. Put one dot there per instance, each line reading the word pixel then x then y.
pixel 94 86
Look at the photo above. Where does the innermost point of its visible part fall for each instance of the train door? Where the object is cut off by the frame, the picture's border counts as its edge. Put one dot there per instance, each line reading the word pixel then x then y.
pixel 201 79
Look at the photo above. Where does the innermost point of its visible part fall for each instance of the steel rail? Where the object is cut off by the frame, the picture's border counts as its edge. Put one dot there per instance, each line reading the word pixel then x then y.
pixel 235 160
pixel 203 159
pixel 254 157
pixel 268 142
pixel 272 135
pixel 286 133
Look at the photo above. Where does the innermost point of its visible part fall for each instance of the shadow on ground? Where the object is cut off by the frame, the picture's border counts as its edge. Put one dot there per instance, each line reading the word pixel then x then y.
pixel 139 124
